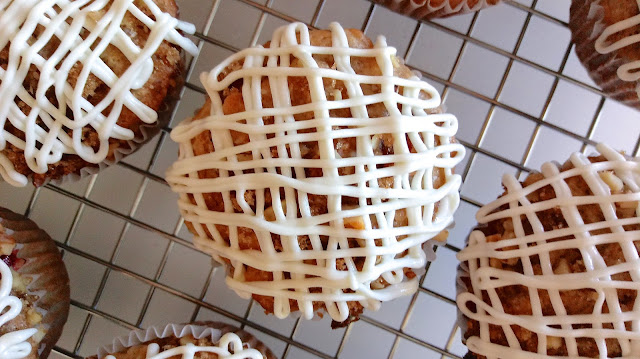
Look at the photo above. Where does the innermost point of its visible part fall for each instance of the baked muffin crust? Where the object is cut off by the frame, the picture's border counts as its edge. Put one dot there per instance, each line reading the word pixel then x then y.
pixel 155 95
pixel 302 215
pixel 206 340
pixel 533 285
pixel 604 34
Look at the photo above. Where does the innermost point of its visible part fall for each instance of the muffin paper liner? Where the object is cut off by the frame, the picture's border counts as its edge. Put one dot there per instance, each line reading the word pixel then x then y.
pixel 587 25
pixel 462 271
pixel 198 330
pixel 147 131
pixel 425 9
pixel 50 280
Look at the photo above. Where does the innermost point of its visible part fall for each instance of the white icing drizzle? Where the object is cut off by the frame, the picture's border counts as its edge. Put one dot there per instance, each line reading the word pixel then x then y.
pixel 44 145
pixel 598 275
pixel 229 347
pixel 13 345
pixel 629 71
pixel 446 5
pixel 232 343
pixel 153 349
pixel 429 210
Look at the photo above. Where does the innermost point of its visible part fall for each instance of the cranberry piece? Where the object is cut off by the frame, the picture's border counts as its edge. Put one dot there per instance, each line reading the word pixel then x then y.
pixel 12 260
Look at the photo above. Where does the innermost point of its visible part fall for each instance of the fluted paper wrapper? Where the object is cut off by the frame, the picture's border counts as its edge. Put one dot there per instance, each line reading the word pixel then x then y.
pixel 147 132
pixel 429 9
pixel 461 287
pixel 50 280
pixel 198 330
pixel 586 23
pixel 462 278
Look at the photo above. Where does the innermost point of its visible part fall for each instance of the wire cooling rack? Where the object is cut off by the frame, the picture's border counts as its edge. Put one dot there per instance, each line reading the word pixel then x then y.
pixel 510 75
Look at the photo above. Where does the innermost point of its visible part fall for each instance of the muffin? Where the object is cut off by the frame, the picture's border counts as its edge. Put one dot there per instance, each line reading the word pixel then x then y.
pixel 84 83
pixel 213 341
pixel 552 268
pixel 34 285
pixel 429 9
pixel 605 33
pixel 316 170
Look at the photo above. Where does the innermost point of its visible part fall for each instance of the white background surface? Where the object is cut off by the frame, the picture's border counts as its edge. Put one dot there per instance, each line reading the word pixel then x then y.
pixel 508 73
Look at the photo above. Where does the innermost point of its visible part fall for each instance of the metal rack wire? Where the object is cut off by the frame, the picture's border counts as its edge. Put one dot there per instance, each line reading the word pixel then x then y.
pixel 174 238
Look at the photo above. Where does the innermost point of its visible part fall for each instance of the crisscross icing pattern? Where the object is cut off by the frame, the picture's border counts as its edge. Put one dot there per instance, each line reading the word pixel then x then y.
pixel 84 29
pixel 229 347
pixel 309 275
pixel 602 178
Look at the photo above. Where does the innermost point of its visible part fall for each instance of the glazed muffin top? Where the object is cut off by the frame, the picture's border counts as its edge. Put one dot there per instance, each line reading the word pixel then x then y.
pixel 611 16
pixel 199 340
pixel 79 79
pixel 317 168
pixel 553 267
pixel 17 331
pixel 613 28
pixel 230 345
pixel 35 284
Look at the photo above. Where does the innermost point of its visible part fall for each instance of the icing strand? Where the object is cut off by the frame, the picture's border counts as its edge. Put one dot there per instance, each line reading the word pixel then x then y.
pixel 446 5
pixel 629 71
pixel 229 347
pixel 598 276
pixel 67 20
pixel 429 210
pixel 13 345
